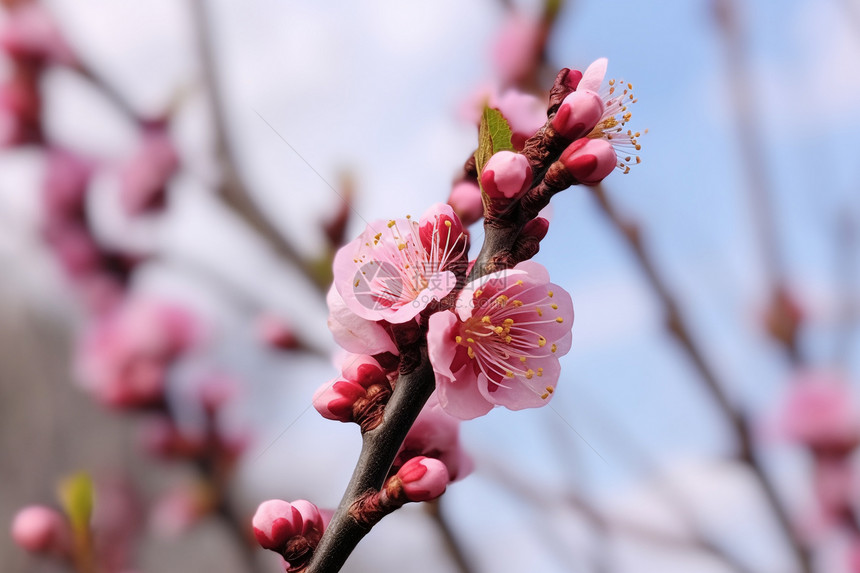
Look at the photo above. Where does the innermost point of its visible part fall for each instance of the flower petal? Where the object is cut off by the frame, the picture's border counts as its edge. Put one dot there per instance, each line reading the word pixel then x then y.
pixel 593 76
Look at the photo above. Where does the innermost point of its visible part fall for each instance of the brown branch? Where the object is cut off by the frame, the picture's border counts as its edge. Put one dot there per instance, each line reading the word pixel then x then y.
pixel 682 334
pixel 449 538
pixel 232 190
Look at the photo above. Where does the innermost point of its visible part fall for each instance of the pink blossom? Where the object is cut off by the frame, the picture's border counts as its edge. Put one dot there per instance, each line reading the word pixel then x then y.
pixel 501 344
pixel 506 175
pixel 350 397
pixel 30 32
pixel 820 412
pixel 144 176
pixel 579 109
pixel 20 110
pixel 41 529
pixel 394 269
pixel 465 199
pixel 516 51
pixel 436 434
pixel 276 523
pixel 64 187
pixel 354 333
pixel 124 359
pixel 178 510
pixel 276 332
pixel 590 161
pixel 423 479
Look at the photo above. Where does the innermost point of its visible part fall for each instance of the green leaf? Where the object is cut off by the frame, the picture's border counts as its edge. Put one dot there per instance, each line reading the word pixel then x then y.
pixel 76 495
pixel 494 135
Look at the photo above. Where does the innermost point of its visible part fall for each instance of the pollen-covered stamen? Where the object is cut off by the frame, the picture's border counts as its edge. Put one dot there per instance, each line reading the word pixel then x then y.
pixel 501 339
pixel 612 127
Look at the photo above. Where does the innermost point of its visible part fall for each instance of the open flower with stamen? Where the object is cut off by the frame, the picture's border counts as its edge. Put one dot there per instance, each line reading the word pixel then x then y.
pixel 617 98
pixel 395 268
pixel 500 345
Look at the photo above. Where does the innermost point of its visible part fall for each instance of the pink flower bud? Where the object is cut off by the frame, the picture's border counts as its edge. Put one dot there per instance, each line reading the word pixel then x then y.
pixel 466 201
pixel 277 522
pixel 589 160
pixel 144 177
pixel 364 370
pixel 423 478
pixel 40 529
pixel 335 400
pixel 275 332
pixel 506 174
pixel 578 114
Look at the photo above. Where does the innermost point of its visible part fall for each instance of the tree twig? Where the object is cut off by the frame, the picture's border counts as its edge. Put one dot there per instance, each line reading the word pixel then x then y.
pixel 452 544
pixel 232 190
pixel 682 334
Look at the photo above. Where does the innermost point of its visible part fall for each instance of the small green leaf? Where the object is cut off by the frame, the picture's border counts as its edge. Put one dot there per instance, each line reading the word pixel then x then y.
pixel 76 495
pixel 494 135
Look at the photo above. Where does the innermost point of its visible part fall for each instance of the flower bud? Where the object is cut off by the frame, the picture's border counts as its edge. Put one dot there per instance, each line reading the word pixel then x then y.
pixel 278 524
pixel 276 333
pixel 589 161
pixel 506 174
pixel 423 479
pixel 466 201
pixel 537 228
pixel 40 529
pixel 364 370
pixel 335 400
pixel 579 112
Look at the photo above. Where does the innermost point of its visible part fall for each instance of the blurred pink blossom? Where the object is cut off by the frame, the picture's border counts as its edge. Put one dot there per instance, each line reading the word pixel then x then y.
pixel 517 48
pixel 41 529
pixel 820 412
pixel 436 434
pixel 31 33
pixel 144 176
pixel 124 358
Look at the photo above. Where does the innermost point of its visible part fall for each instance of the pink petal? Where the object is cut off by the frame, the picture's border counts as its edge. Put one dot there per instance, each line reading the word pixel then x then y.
pixel 593 76
pixel 354 333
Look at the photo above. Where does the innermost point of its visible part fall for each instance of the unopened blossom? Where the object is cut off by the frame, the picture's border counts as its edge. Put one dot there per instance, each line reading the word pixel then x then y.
pixel 821 412
pixel 517 48
pixel 31 33
pixel 124 359
pixel 589 161
pixel 465 199
pixel 436 434
pixel 396 268
pixel 41 529
pixel 602 113
pixel 358 395
pixel 276 332
pixel 506 175
pixel 501 343
pixel 288 527
pixel 144 176
pixel 423 479
pixel 20 110
pixel 64 186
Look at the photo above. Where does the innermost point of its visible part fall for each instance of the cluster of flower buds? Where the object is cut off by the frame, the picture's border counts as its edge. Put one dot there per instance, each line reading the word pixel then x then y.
pixel 358 395
pixel 292 530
